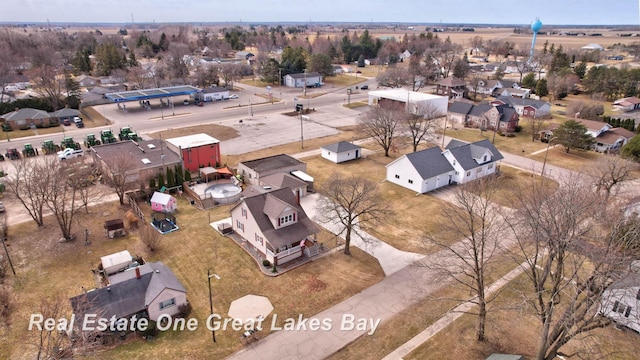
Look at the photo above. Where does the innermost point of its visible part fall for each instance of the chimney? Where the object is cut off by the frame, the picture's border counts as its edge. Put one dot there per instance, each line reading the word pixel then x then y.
pixel 138 272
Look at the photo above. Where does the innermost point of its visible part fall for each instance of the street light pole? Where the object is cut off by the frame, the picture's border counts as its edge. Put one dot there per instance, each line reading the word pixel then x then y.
pixel 209 276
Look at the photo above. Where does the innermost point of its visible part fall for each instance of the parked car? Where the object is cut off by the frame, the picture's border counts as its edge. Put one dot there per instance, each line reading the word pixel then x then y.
pixel 66 122
pixel 364 87
pixel 185 103
pixel 233 96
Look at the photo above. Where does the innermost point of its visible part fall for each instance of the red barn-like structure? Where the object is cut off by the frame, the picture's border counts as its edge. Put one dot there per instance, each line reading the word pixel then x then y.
pixel 196 151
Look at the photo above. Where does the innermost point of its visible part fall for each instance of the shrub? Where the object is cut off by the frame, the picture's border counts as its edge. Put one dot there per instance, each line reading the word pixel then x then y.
pixel 184 310
pixel 150 237
pixel 151 330
pixel 266 263
pixel 518 128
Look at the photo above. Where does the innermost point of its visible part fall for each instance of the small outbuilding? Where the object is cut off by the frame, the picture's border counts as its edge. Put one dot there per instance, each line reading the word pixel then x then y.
pixel 341 152
pixel 114 228
pixel 162 202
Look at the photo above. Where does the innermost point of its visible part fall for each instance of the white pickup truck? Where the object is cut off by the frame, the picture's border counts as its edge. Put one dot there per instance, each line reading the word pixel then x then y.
pixel 69 153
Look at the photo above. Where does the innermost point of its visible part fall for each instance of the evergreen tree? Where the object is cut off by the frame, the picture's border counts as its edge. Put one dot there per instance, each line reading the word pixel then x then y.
pixel 161 182
pixel 171 180
pixel 541 88
pixel 187 175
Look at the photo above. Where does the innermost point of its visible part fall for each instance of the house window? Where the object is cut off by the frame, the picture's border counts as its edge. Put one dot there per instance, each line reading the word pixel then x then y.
pixel 167 303
pixel 244 213
pixel 490 166
pixel 239 225
pixel 627 312
pixel 484 158
pixel 457 173
pixel 287 219
pixel 259 239
pixel 397 176
pixel 410 181
pixel 493 123
pixel 468 173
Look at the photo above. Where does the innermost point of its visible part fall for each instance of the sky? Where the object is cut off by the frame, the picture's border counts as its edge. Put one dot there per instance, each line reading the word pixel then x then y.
pixel 556 12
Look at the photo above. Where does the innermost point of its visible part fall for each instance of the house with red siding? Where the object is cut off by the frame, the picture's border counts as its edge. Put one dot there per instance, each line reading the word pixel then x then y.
pixel 196 151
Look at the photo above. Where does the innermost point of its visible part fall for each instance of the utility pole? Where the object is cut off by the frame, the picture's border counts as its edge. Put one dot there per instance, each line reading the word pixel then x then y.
pixel 301 134
pixel 7 252
pixel 305 82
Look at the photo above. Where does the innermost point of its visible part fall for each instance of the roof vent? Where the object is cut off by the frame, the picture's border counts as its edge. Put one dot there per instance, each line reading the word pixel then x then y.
pixel 157 271
pixel 146 161
pixel 151 146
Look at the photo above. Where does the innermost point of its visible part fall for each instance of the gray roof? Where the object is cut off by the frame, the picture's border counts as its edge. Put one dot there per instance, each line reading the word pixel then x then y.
pixel 65 113
pixel 157 155
pixel 513 101
pixel 282 180
pixel 466 153
pixel 127 295
pixel 506 112
pixel 272 203
pixel 341 146
pixel 460 107
pixel 480 109
pixel 429 162
pixel 271 162
pixel 25 114
pixel 308 75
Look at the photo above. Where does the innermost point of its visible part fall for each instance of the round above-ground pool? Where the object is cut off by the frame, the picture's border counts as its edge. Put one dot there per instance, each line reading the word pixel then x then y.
pixel 224 193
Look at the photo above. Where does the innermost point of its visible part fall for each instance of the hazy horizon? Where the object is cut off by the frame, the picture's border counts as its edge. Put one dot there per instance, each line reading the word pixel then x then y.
pixel 550 12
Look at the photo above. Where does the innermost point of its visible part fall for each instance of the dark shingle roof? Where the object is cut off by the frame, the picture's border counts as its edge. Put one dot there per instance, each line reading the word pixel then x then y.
pixel 466 153
pixel 272 203
pixel 513 101
pixel 429 162
pixel 66 112
pixel 341 146
pixel 127 295
pixel 460 107
pixel 480 109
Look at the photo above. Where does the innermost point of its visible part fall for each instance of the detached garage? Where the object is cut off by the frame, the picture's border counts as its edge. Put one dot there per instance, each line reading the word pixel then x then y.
pixel 341 152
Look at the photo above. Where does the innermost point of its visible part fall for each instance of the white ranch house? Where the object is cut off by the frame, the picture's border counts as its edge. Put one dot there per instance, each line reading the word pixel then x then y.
pixel 432 168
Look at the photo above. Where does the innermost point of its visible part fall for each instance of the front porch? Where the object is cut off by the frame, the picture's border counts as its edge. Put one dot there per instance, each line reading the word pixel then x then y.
pixel 286 261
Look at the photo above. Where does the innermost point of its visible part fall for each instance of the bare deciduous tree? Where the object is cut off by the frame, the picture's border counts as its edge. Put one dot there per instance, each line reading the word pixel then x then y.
pixel 52 343
pixel 422 123
pixel 29 184
pixel 150 237
pixel 571 241
pixel 381 122
pixel 474 218
pixel 116 170
pixel 610 172
pixel 61 198
pixel 350 203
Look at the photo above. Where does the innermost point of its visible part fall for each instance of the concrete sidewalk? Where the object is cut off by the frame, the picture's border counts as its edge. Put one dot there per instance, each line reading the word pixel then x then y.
pixel 376 304
pixel 391 259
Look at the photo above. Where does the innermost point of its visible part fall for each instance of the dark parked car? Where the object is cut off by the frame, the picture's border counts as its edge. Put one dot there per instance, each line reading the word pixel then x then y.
pixel 364 87
pixel 66 122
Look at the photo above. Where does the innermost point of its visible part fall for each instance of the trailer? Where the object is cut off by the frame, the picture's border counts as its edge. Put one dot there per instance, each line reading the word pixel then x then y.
pixel 117 262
